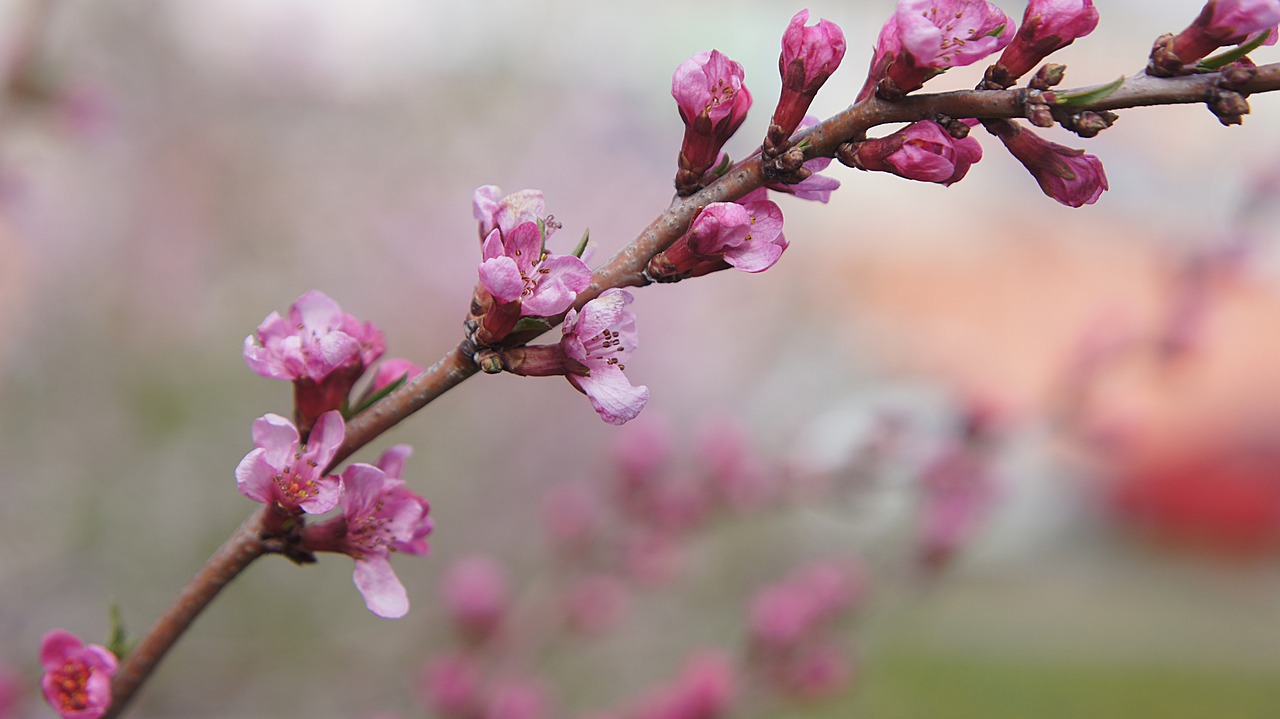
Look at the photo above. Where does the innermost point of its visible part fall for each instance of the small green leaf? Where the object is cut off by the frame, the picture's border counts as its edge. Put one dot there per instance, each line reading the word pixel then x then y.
pixel 996 31
pixel 528 324
pixel 1221 60
pixel 582 244
pixel 1087 97
pixel 373 397
pixel 722 168
pixel 118 642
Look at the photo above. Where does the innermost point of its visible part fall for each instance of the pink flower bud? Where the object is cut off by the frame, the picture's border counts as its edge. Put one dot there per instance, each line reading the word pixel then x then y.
pixel 77 676
pixel 1069 176
pixel 1047 26
pixel 1226 22
pixel 809 56
pixel 926 37
pixel 922 151
pixel 713 103
pixel 451 686
pixel 725 234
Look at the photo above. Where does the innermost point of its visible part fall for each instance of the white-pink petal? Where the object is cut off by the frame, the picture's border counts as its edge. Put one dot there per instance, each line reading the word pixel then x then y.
pixel 383 593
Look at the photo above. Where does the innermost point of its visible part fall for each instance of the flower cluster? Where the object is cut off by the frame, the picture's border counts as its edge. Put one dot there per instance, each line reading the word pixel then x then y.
pixel 289 468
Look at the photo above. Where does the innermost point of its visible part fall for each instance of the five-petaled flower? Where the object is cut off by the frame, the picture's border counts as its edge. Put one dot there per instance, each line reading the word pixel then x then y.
pixel 319 348
pixel 283 472
pixel 380 515
pixel 924 38
pixel 713 103
pixel 77 676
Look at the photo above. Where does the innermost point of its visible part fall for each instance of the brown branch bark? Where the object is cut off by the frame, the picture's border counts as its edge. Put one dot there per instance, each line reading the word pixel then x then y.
pixel 625 270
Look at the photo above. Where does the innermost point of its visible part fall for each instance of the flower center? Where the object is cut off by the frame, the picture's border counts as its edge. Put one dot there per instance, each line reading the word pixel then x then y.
pixel 71 680
pixel 293 485
pixel 606 343
pixel 369 534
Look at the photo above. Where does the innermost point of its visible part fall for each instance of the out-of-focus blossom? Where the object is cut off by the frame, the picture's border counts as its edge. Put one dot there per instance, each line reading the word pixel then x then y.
pixel 736 475
pixel 319 348
pixel 1072 177
pixel 380 515
pixel 809 55
pixel 924 38
pixel 476 596
pixel 77 676
pixel 595 603
pixel 572 515
pixel 281 471
pixel 11 692
pixel 923 151
pixel 713 103
pixel 725 234
pixel 1047 26
pixel 1220 23
pixel 815 672
pixel 495 212
pixel 518 698
pixel 706 689
pixel 393 370
pixel 957 493
pixel 452 686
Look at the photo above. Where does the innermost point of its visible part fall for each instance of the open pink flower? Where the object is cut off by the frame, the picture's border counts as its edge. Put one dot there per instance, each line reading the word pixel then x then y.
pixel 922 151
pixel 600 338
pixel 283 472
pixel 495 212
pixel 713 103
pixel 77 676
pixel 809 56
pixel 516 268
pixel 924 38
pixel 380 515
pixel 747 236
pixel 1226 22
pixel 1047 26
pixel 1072 177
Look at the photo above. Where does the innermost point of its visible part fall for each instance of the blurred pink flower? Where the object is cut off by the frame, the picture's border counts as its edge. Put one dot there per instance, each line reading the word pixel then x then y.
pixel 706 689
pixel 737 476
pixel 519 698
pixel 77 676
pixel 476 596
pixel 380 515
pixel 596 603
pixel 451 686
pixel 572 515
pixel 283 472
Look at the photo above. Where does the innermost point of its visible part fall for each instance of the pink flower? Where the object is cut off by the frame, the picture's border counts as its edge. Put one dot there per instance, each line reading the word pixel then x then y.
pixel 803 605
pixel 12 689
pixel 958 491
pixel 393 370
pixel 1047 26
pixel 1069 176
pixel 451 686
pixel 77 677
pixel 926 37
pixel 736 474
pixel 922 151
pixel 746 236
pixel 380 515
pixel 320 348
pixel 1226 22
pixel 600 338
pixel 705 689
pixel 813 187
pixel 504 214
pixel 809 56
pixel 281 472
pixel 595 603
pixel 476 595
pixel 816 672
pixel 713 103
pixel 572 515
pixel 519 698
pixel 525 280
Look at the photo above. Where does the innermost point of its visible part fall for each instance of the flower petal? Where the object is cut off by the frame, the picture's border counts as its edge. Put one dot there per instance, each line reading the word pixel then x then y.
pixel 383 593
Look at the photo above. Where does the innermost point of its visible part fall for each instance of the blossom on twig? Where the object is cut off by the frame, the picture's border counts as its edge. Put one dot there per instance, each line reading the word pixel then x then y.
pixel 282 472
pixel 713 103
pixel 77 676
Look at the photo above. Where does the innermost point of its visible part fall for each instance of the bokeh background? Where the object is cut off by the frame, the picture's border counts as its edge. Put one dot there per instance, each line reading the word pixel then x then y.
pixel 171 172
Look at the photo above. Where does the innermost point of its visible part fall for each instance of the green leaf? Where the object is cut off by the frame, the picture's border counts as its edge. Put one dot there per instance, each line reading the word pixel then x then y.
pixel 118 642
pixel 722 168
pixel 582 244
pixel 1087 97
pixel 368 400
pixel 528 324
pixel 1221 60
pixel 996 31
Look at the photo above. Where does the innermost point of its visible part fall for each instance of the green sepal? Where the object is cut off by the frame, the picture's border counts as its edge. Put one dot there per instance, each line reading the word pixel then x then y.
pixel 118 642
pixel 368 400
pixel 722 168
pixel 1087 97
pixel 530 324
pixel 582 244
pixel 1221 60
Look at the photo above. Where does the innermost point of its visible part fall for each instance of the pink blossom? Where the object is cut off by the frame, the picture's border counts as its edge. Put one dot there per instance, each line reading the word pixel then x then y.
pixel 705 689
pixel 519 698
pixel 393 370
pixel 713 103
pixel 815 672
pixel 451 686
pixel 958 491
pixel 495 212
pixel 281 471
pixel 927 37
pixel 516 268
pixel 12 689
pixel 1047 26
pixel 572 514
pixel 1072 177
pixel 809 56
pixel 922 151
pixel 77 676
pixel 814 187
pixel 380 515
pixel 476 595
pixel 600 338
pixel 803 605
pixel 595 603
pixel 320 348
pixel 747 236
pixel 736 474
pixel 1226 22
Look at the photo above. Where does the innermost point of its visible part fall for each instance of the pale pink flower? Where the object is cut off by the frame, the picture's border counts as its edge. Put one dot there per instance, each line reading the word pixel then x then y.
pixel 452 686
pixel 926 37
pixel 713 103
pixel 496 212
pixel 1047 26
pixel 809 56
pixel 747 236
pixel 516 268
pixel 77 676
pixel 380 516
pixel 1226 22
pixel 600 338
pixel 476 595
pixel 283 472
pixel 1072 177
pixel 922 151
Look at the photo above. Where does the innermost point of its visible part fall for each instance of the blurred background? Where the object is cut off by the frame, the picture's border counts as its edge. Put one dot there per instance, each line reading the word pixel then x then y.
pixel 171 172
